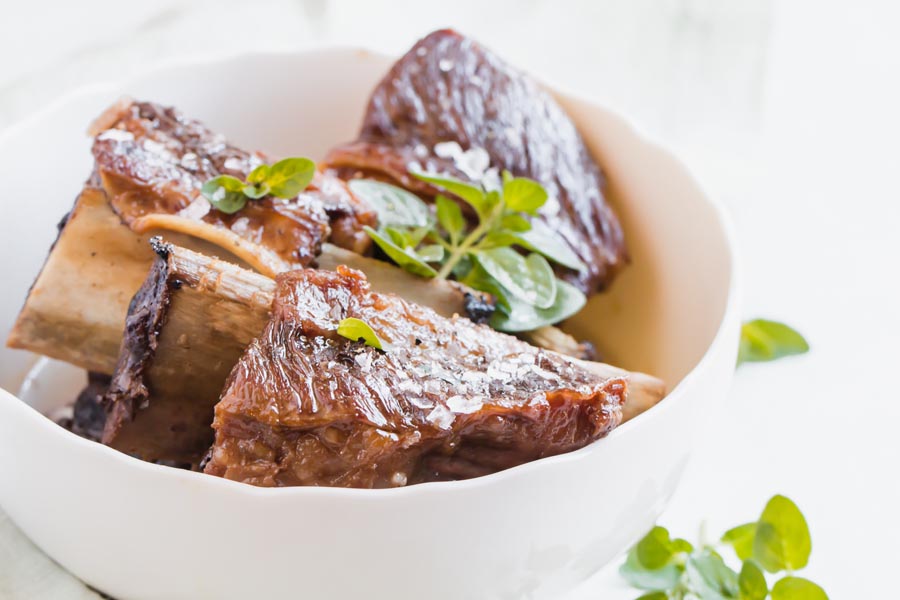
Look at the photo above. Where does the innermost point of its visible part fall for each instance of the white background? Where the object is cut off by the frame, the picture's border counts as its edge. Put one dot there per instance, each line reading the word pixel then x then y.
pixel 787 111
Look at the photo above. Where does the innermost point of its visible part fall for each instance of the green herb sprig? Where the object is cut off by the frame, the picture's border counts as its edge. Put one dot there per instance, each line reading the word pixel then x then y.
pixel 763 340
pixel 359 331
pixel 778 542
pixel 442 245
pixel 285 179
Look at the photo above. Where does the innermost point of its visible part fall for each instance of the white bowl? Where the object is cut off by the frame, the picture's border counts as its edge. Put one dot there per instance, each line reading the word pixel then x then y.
pixel 136 530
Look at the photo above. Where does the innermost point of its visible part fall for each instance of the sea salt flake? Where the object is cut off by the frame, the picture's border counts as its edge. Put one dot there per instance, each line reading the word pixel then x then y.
pixel 233 164
pixel 387 434
pixel 441 417
pixel 364 360
pixel 543 373
pixel 450 150
pixel 491 180
pixel 408 385
pixel 420 402
pixel 472 377
pixel 155 147
pixel 538 399
pixel 432 386
pixel 465 404
pixel 216 144
pixel 240 225
pixel 495 372
pixel 196 210
pixel 445 65
pixel 190 161
pixel 116 135
pixel 474 162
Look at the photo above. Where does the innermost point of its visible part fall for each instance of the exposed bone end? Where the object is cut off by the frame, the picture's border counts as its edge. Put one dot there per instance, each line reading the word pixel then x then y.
pixel 77 305
pixel 644 391
pixel 76 308
pixel 186 328
pixel 554 338
pixel 110 116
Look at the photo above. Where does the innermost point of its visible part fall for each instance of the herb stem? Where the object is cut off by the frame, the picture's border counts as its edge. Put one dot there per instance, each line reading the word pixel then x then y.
pixel 702 534
pixel 470 240
pixel 457 253
pixel 440 241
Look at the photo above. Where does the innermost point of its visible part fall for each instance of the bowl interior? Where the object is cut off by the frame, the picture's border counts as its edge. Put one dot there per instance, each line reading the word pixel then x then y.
pixel 660 315
pixel 670 310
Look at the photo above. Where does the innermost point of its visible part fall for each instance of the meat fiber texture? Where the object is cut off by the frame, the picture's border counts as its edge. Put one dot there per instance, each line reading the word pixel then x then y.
pixel 154 160
pixel 445 399
pixel 451 106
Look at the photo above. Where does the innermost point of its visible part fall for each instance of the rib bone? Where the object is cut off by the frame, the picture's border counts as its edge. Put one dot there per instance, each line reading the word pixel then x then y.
pixel 76 309
pixel 186 329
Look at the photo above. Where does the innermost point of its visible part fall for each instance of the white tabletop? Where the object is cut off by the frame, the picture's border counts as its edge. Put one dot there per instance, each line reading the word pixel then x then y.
pixel 788 111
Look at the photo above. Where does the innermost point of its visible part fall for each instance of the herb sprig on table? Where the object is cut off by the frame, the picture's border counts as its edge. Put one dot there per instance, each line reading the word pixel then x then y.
pixel 777 543
pixel 444 245
pixel 284 179
pixel 763 340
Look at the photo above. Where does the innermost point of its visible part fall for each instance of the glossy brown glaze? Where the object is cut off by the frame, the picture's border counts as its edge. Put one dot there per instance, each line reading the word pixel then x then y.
pixel 153 160
pixel 447 399
pixel 450 88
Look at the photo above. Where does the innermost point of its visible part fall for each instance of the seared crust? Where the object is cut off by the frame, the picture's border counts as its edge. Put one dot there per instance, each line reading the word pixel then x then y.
pixel 448 88
pixel 447 399
pixel 153 161
pixel 147 315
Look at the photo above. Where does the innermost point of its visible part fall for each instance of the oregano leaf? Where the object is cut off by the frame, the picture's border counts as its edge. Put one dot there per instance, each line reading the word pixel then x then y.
pixel 764 340
pixel 358 330
pixel 782 538
pixel 225 193
pixel 797 588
